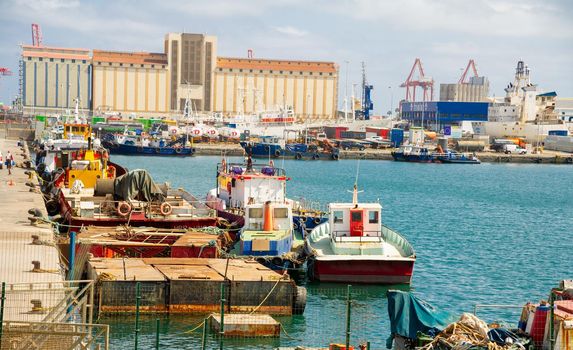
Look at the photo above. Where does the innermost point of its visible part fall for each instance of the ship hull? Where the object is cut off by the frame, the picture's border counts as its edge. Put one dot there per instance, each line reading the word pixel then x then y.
pixel 399 157
pixel 368 271
pixel 115 148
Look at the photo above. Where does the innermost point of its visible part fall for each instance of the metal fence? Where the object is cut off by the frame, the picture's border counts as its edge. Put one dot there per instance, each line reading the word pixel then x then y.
pixel 50 315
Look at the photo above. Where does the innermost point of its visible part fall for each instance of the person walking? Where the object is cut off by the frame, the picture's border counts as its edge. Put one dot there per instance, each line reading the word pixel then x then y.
pixel 9 162
pixel 1 161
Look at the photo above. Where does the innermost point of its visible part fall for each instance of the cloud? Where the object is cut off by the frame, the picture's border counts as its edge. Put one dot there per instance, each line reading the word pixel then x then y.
pixel 291 31
pixel 42 5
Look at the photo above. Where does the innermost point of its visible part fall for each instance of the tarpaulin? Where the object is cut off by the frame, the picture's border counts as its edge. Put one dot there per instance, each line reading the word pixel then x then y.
pixel 137 184
pixel 410 315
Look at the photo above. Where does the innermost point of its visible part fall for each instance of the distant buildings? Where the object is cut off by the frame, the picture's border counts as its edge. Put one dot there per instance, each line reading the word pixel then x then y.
pixel 476 90
pixel 157 84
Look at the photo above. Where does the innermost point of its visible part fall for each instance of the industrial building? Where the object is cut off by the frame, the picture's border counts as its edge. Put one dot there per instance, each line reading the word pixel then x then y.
pixel 476 90
pixel 190 61
pixel 254 85
pixel 434 115
pixel 158 84
pixel 53 78
pixel 135 83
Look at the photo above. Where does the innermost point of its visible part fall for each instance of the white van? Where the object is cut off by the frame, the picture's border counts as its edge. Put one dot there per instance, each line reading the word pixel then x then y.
pixel 513 148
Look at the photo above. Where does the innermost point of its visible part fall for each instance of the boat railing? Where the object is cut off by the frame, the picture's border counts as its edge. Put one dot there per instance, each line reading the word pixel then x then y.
pixel 367 237
pixel 303 205
pixel 397 240
pixel 110 207
pixel 241 169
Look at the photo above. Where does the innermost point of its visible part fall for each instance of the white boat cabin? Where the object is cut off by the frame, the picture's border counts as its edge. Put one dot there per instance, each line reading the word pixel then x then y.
pixel 239 185
pixel 355 220
pixel 268 217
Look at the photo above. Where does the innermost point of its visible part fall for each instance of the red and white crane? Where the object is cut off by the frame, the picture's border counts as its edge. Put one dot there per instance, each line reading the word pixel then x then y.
pixel 411 83
pixel 36 35
pixel 472 65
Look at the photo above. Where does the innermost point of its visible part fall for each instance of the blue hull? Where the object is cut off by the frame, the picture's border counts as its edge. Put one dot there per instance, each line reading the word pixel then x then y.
pixel 400 157
pixel 115 148
pixel 270 150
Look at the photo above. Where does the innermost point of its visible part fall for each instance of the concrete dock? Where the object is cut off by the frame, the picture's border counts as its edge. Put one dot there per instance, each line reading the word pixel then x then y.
pixel 16 249
pixel 547 157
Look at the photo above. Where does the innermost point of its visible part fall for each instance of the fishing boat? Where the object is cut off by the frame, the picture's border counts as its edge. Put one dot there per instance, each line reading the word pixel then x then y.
pixel 455 158
pixel 409 153
pixel 354 246
pixel 243 184
pixel 139 145
pixel 136 200
pixel 268 236
pixel 272 147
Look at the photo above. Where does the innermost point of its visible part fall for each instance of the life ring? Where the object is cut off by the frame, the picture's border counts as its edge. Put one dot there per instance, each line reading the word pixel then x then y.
pixel 335 156
pixel 315 156
pixel 277 152
pixel 157 150
pixel 569 160
pixel 178 150
pixel 165 209
pixel 123 209
pixel 266 148
pixel 111 172
pixel 174 131
pixel 298 156
pixel 316 221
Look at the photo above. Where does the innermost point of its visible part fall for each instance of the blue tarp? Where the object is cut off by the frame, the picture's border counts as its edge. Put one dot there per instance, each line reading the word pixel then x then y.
pixel 410 315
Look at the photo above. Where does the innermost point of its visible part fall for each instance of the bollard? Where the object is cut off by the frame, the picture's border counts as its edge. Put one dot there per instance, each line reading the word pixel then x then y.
pixel 137 299
pixel 348 317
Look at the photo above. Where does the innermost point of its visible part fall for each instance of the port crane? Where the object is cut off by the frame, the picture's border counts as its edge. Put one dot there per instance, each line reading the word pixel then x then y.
pixel 472 65
pixel 426 83
pixel 367 104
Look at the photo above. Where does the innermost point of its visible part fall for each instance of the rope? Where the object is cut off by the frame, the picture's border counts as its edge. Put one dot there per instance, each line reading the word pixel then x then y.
pixel 269 293
pixel 195 328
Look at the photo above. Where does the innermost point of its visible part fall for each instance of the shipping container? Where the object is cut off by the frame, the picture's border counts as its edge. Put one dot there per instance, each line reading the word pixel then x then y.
pixel 397 137
pixel 358 135
pixel 333 132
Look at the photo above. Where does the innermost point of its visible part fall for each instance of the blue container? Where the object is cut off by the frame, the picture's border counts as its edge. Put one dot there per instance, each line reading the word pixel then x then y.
pixel 558 132
pixel 396 137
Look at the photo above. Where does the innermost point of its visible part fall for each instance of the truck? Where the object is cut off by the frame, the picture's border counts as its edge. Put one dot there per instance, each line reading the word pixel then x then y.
pixel 513 148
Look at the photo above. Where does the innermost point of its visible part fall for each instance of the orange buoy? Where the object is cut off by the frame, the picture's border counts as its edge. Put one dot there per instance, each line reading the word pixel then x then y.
pixel 166 209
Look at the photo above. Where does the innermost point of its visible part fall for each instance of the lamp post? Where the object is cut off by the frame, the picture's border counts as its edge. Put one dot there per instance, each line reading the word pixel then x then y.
pixel 346 93
pixel 391 101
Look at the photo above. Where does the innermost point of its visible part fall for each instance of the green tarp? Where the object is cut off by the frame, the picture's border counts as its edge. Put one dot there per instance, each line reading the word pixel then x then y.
pixel 410 315
pixel 137 184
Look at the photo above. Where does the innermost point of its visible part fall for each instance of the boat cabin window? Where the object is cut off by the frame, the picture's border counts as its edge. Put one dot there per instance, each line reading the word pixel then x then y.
pixel 373 217
pixel 338 215
pixel 281 213
pixel 255 213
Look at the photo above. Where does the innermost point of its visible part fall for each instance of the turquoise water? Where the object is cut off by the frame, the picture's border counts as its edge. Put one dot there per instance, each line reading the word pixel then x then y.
pixel 485 234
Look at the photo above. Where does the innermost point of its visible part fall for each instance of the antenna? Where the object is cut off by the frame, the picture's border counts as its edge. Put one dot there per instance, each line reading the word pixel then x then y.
pixel 355 189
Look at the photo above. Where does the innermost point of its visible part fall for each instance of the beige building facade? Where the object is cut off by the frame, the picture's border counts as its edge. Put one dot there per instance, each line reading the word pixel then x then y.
pixel 191 60
pixel 252 85
pixel 130 83
pixel 53 78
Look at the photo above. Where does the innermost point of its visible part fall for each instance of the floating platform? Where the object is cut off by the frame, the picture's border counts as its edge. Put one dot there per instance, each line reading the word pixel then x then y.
pixel 193 285
pixel 147 242
pixel 246 325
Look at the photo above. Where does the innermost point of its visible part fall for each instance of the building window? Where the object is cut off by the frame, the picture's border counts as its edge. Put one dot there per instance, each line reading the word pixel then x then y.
pixel 121 64
pixel 41 59
pixel 310 73
pixel 281 72
pixel 142 66
pixel 73 61
pixel 330 74
pixel 290 72
pixel 51 60
pixel 240 71
pixel 131 64
pixel 271 71
pixel 220 69
pixel 260 71
pixel 84 61
pixel 162 66
pixel 250 70
pixel 152 66
pixel 300 73
pixel 62 60
pixel 320 73
pixel 110 63
pixel 29 58
pixel 99 63
pixel 230 69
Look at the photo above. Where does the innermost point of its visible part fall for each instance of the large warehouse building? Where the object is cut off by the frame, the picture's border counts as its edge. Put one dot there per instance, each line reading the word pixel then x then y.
pixel 131 83
pixel 252 85
pixel 157 84
pixel 53 78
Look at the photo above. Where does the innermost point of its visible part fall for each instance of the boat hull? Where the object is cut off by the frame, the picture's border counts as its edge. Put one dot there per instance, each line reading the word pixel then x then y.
pixel 400 157
pixel 368 271
pixel 115 148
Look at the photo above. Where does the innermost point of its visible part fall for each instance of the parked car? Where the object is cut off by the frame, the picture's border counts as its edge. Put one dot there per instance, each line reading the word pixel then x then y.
pixel 513 148
pixel 350 144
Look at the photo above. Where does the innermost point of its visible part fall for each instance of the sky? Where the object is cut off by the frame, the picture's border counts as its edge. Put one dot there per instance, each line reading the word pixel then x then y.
pixel 387 35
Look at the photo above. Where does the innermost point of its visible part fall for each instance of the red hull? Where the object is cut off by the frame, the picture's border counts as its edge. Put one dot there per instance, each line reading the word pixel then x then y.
pixel 364 271
pixel 159 223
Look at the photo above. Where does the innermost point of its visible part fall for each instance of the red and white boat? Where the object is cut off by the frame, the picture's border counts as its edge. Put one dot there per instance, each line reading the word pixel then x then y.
pixel 354 247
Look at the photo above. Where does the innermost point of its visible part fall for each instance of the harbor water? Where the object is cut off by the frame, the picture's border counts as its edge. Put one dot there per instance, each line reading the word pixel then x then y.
pixel 486 234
